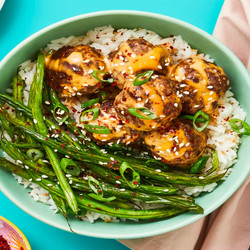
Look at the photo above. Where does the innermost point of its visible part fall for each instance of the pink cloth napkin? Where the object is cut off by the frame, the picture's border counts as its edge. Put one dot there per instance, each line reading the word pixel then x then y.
pixel 227 228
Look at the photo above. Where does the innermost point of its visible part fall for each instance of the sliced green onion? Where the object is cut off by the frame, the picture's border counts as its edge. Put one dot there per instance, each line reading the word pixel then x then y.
pixel 199 165
pixel 138 83
pixel 149 115
pixel 51 51
pixel 155 163
pixel 60 113
pixel 103 95
pixel 134 183
pixel 190 117
pixel 35 154
pixel 92 182
pixel 100 198
pixel 70 167
pixel 95 112
pixel 236 128
pixel 97 129
pixel 95 75
pixel 196 116
pixel 98 193
pixel 90 103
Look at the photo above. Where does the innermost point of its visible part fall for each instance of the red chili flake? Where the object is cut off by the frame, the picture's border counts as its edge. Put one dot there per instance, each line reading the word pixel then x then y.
pixel 118 177
pixel 99 191
pixel 129 54
pixel 227 119
pixel 135 182
pixel 63 146
pixel 171 47
pixel 99 209
pixel 46 139
pixel 36 170
pixel 89 205
pixel 116 208
pixel 73 124
pixel 80 198
pixel 114 84
pixel 133 194
pixel 99 85
pixel 16 170
pixel 27 123
pixel 122 34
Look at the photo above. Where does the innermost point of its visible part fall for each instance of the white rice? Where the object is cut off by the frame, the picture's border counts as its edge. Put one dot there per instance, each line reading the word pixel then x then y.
pixel 220 136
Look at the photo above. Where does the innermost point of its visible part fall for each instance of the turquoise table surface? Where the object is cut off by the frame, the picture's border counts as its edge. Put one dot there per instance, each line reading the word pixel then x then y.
pixel 21 18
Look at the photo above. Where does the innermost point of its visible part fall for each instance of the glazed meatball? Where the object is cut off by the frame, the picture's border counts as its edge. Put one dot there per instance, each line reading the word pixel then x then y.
pixel 69 70
pixel 177 144
pixel 107 117
pixel 156 95
pixel 199 83
pixel 134 56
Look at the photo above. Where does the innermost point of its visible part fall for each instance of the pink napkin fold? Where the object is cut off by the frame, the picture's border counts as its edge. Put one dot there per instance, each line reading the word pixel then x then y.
pixel 228 227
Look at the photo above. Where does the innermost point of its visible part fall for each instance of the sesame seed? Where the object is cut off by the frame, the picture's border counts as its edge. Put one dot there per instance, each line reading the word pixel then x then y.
pixel 75 88
pixel 176 104
pixel 168 150
pixel 30 179
pixel 38 179
pixel 159 67
pixel 158 170
pixel 87 61
pixel 68 175
pixel 55 150
pixel 176 153
pixel 163 98
pixel 211 98
pixel 195 90
pixel 146 101
pixel 183 85
pixel 47 103
pixel 112 159
pixel 187 144
pixel 139 99
pixel 152 57
pixel 118 182
pixel 166 190
pixel 44 176
pixel 20 162
pixel 122 189
pixel 201 177
pixel 210 87
pixel 27 167
pixel 186 92
pixel 35 121
pixel 196 106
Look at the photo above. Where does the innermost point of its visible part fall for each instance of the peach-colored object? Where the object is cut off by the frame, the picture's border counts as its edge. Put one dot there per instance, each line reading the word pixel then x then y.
pixel 229 226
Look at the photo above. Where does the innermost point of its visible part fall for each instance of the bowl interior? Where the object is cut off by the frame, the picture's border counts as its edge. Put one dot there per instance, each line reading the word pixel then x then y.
pixel 164 26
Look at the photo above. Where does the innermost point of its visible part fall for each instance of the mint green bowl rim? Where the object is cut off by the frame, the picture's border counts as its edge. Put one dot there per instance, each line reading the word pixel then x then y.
pixel 162 229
